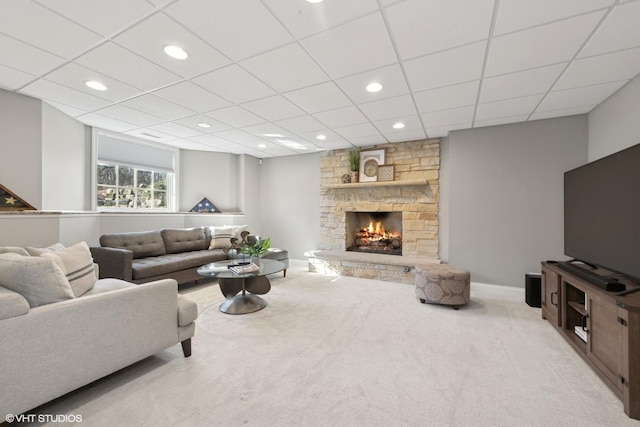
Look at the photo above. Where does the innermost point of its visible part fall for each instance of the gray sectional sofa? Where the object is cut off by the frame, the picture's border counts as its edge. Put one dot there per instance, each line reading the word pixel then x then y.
pixel 141 257
pixel 56 339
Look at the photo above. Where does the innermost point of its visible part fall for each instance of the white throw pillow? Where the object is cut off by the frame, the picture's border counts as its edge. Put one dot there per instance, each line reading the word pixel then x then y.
pixel 237 229
pixel 33 251
pixel 76 263
pixel 221 237
pixel 37 279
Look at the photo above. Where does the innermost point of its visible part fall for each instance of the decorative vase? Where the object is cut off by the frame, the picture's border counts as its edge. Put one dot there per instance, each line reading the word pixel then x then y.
pixel 354 176
pixel 255 260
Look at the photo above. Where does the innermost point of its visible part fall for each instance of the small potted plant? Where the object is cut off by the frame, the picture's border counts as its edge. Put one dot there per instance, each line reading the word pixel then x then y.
pixel 354 164
pixel 256 249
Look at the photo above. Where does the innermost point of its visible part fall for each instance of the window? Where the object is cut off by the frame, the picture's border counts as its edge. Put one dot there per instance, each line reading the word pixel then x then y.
pixel 132 175
pixel 121 186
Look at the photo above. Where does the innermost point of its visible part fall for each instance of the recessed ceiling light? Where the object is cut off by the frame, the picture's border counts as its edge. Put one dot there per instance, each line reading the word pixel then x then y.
pixel 315 1
pixel 95 85
pixel 262 145
pixel 398 125
pixel 374 87
pixel 272 135
pixel 321 137
pixel 175 52
pixel 204 125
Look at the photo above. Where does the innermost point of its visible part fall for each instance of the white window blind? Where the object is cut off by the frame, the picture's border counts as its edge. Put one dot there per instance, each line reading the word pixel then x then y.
pixel 119 151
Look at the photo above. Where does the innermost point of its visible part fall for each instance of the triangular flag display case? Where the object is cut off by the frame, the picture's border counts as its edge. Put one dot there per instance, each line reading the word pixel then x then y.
pixel 205 206
pixel 10 202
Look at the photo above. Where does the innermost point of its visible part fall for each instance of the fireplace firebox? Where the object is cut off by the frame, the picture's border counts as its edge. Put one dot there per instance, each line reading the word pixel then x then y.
pixel 374 232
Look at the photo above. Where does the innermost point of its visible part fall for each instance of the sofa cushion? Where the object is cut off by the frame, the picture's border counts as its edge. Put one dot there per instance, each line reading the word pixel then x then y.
pixel 33 251
pixel 13 250
pixel 154 266
pixel 77 265
pixel 143 244
pixel 221 237
pixel 187 310
pixel 108 285
pixel 37 279
pixel 12 304
pixel 183 240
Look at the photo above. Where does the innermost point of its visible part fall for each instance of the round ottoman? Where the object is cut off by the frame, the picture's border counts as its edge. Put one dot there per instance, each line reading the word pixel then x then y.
pixel 443 284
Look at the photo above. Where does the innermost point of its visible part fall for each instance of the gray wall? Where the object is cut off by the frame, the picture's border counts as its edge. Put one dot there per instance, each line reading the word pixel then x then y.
pixel 20 146
pixel 66 162
pixel 290 202
pixel 211 175
pixel 506 195
pixel 615 124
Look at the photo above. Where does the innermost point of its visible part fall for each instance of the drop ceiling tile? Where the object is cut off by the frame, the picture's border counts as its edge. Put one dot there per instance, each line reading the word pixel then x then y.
pixel 68 110
pixel 117 62
pixel 235 84
pixel 412 135
pixel 391 78
pixel 74 76
pixel 341 117
pixel 336 145
pixel 286 68
pixel 562 112
pixel 421 27
pixel 305 18
pixel 620 30
pixel 322 97
pixel 411 123
pixel 237 135
pixel 353 47
pixel 358 131
pixel 578 97
pixel 149 38
pixel 192 122
pixel 330 137
pixel 448 97
pixel 623 65
pixel 175 130
pixel 389 108
pixel 264 129
pixel 514 15
pixel 28 59
pixel 441 132
pixel 50 91
pixel 544 45
pixel 521 83
pixel 185 144
pixel 500 121
pixel 235 116
pixel 158 107
pixel 27 21
pixel 151 135
pixel 366 141
pixel 126 114
pixel 273 108
pixel 300 124
pixel 192 97
pixel 507 108
pixel 214 142
pixel 104 122
pixel 463 64
pixel 13 79
pixel 239 29
pixel 443 118
pixel 99 14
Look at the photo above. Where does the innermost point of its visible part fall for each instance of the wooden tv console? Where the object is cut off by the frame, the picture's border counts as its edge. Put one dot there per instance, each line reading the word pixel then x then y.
pixel 611 323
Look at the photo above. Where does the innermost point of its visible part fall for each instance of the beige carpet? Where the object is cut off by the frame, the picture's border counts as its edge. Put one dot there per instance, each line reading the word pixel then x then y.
pixel 336 351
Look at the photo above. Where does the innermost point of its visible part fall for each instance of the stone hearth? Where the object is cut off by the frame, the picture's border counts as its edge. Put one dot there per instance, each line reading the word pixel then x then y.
pixel 417 164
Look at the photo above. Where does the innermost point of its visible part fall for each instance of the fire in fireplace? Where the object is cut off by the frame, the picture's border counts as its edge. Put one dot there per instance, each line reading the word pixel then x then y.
pixel 374 232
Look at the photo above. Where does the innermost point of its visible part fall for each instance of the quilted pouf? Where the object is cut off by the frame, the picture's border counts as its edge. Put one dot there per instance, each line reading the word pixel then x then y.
pixel 443 284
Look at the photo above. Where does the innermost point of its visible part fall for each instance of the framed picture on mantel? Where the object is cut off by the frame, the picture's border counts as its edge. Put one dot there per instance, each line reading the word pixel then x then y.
pixel 369 163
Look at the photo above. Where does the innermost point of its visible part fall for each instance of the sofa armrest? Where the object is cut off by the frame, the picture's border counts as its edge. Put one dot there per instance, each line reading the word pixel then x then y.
pixel 114 262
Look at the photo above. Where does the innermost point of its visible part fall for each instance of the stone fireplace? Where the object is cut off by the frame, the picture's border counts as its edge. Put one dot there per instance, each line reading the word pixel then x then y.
pixel 374 232
pixel 413 195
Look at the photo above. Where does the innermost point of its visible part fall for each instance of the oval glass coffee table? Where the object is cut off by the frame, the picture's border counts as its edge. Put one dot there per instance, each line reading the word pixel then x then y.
pixel 242 290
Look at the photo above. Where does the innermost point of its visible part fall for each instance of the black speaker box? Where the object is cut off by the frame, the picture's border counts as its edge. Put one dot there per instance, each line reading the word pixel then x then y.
pixel 532 289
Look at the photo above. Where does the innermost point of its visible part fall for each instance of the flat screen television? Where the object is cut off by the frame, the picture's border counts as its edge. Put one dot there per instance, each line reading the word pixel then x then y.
pixel 602 213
